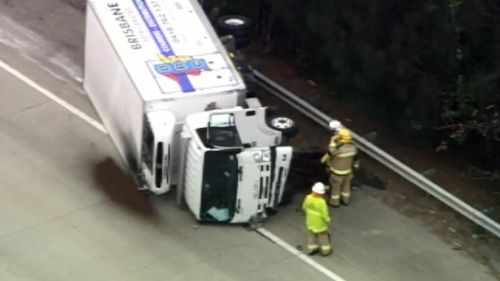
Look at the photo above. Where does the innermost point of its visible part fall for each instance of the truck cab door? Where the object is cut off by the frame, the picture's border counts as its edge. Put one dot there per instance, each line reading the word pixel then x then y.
pixel 156 150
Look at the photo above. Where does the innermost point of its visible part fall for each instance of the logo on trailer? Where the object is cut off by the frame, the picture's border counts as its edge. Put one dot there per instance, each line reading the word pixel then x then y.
pixel 175 66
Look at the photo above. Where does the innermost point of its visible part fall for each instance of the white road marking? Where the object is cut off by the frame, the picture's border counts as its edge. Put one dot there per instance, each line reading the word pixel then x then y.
pixel 269 235
pixel 262 231
pixel 58 63
pixel 53 97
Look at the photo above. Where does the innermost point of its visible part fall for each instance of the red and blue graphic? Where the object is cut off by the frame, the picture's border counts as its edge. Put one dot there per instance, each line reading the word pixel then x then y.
pixel 174 67
pixel 181 68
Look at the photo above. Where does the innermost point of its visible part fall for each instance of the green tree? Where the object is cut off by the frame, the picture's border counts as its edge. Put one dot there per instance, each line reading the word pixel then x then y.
pixel 424 64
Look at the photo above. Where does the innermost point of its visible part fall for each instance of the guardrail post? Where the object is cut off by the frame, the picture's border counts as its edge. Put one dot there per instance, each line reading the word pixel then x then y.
pixel 371 137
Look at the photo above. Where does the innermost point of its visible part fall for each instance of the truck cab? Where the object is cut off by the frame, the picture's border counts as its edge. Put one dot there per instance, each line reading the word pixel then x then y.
pixel 234 165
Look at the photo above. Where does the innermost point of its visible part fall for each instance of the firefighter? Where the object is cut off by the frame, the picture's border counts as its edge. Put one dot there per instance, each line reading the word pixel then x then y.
pixel 340 159
pixel 335 127
pixel 317 221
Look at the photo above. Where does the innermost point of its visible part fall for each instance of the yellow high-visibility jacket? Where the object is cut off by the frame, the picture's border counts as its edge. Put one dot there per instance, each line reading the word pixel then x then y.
pixel 317 216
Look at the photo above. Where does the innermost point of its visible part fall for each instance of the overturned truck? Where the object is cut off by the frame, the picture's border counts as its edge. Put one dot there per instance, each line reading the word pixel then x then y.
pixel 175 107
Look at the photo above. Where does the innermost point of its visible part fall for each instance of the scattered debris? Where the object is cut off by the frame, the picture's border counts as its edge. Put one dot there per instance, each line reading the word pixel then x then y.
pixel 417 126
pixel 452 230
pixel 475 173
pixel 476 236
pixel 371 137
pixel 429 174
pixel 312 83
pixel 316 101
pixel 442 147
pixel 489 212
pixel 457 246
pixel 367 179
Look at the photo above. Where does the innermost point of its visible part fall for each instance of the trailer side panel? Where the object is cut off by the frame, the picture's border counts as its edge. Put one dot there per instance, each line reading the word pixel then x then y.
pixel 112 93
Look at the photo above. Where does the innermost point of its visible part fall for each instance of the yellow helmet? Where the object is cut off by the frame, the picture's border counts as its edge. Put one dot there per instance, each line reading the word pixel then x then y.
pixel 345 135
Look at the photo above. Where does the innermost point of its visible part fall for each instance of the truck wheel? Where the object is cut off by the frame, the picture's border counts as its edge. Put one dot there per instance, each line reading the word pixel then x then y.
pixel 284 124
pixel 238 26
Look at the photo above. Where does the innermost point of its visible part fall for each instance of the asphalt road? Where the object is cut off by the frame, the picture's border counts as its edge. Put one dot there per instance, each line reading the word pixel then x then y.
pixel 68 212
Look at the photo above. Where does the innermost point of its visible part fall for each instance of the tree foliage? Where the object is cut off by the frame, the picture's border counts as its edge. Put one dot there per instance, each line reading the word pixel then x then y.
pixel 425 64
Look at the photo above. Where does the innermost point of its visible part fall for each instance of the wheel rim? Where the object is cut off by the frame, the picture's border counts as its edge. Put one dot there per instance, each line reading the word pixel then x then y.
pixel 234 22
pixel 282 123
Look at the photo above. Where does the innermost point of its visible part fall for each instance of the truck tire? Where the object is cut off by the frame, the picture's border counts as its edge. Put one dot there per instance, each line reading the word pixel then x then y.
pixel 284 124
pixel 236 25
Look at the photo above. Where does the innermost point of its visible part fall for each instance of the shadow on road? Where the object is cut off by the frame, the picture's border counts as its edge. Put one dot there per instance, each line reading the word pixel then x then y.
pixel 121 188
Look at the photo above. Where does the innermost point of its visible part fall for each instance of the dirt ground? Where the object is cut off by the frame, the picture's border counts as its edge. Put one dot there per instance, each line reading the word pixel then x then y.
pixel 449 170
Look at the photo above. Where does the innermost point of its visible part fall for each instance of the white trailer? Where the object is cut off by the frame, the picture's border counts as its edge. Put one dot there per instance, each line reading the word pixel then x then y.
pixel 174 106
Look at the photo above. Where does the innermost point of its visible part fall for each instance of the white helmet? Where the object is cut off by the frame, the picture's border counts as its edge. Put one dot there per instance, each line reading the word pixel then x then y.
pixel 318 188
pixel 335 125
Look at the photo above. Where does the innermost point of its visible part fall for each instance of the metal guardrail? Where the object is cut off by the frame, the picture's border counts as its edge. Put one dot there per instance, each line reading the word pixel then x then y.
pixel 382 157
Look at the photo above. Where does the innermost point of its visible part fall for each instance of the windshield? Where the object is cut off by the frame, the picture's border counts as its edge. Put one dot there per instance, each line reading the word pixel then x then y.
pixel 221 132
pixel 220 185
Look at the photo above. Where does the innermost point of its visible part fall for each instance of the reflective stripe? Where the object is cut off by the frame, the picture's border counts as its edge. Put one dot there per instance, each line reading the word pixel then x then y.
pixel 313 212
pixel 326 250
pixel 325 158
pixel 312 247
pixel 346 154
pixel 345 194
pixel 340 172
pixel 335 197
